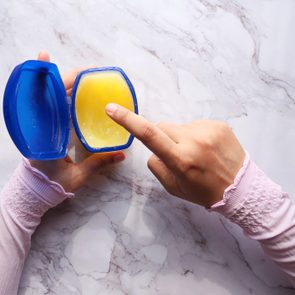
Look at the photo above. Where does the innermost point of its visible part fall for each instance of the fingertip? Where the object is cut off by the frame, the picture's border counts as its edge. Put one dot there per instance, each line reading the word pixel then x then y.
pixel 97 161
pixel 119 157
pixel 111 108
pixel 43 56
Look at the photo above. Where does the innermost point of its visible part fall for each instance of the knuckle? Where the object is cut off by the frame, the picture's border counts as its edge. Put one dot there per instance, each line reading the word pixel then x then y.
pixel 153 162
pixel 208 143
pixel 184 166
pixel 149 164
pixel 222 131
pixel 148 132
pixel 204 143
pixel 222 126
pixel 184 163
pixel 215 134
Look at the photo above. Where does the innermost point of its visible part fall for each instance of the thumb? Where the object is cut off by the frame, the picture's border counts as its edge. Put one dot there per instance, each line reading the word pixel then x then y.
pixel 97 161
pixel 43 56
pixel 87 167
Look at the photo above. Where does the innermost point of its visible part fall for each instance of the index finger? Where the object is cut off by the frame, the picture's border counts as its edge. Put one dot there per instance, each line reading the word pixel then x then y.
pixel 150 135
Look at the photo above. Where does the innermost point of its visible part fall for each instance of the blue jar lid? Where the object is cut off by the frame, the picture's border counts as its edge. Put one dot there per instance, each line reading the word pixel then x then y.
pixel 36 111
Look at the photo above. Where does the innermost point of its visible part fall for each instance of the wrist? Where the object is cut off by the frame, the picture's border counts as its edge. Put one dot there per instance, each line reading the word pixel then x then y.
pixel 45 189
pixel 28 195
pixel 252 201
pixel 235 193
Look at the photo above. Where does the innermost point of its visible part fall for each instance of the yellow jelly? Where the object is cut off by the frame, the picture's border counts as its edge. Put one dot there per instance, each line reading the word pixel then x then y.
pixel 94 91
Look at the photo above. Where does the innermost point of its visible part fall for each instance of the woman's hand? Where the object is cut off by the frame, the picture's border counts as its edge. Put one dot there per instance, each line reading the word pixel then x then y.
pixel 64 171
pixel 196 162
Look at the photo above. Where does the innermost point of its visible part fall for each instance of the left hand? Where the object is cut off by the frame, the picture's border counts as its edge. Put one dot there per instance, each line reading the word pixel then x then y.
pixel 64 171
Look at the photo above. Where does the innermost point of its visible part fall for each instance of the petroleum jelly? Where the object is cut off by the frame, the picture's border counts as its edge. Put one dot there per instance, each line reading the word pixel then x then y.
pixel 94 92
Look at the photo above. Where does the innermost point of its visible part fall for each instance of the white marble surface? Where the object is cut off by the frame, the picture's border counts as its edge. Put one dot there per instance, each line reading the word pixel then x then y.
pixel 232 60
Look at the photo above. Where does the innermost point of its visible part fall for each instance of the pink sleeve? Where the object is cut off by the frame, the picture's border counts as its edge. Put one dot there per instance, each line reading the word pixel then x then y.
pixel 23 201
pixel 265 213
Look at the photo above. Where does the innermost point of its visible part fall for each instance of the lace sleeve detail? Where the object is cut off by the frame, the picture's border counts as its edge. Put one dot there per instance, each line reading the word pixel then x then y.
pixel 23 201
pixel 251 199
pixel 265 213
pixel 21 204
pixel 29 194
pixel 261 199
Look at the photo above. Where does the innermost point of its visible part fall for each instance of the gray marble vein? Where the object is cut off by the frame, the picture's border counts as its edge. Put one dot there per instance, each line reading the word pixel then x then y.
pixel 188 60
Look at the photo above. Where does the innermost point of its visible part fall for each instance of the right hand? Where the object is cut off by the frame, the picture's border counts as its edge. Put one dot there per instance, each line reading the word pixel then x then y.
pixel 196 162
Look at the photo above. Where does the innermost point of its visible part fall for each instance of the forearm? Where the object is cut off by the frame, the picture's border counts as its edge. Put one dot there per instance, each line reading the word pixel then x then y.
pixel 23 201
pixel 264 212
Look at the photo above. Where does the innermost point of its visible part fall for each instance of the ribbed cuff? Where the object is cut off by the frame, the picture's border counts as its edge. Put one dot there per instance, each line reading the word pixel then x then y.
pixel 235 193
pixel 50 192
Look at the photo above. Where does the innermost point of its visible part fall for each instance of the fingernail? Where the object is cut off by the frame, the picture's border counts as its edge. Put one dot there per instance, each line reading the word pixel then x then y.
pixel 111 108
pixel 118 158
